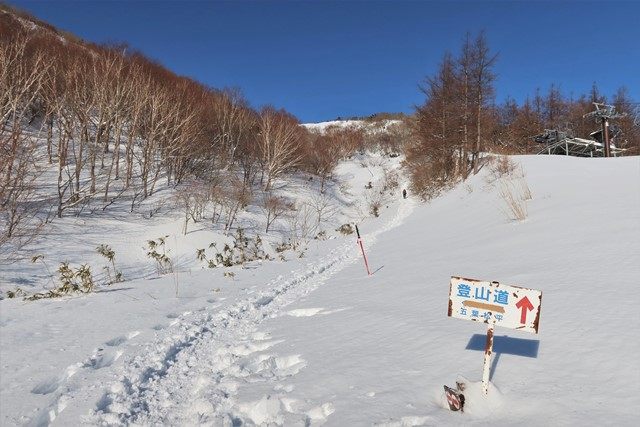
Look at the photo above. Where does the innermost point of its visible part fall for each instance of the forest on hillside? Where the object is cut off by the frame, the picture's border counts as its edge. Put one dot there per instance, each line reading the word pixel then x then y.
pixel 114 124
pixel 460 119
pixel 90 125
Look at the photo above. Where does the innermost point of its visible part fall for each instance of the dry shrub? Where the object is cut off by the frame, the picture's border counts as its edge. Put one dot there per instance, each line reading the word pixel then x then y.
pixel 231 198
pixel 192 198
pixel 346 229
pixel 427 179
pixel 374 208
pixel 500 167
pixel 349 139
pixel 391 181
pixel 301 224
pixel 308 217
pixel 274 207
pixel 525 191
pixel 514 200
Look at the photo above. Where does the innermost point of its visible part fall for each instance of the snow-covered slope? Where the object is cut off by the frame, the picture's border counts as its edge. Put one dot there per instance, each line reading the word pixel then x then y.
pixel 114 318
pixel 314 340
pixel 379 349
pixel 74 239
pixel 370 126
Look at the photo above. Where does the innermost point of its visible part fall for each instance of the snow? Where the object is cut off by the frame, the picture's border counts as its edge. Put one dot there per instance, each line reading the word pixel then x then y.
pixel 314 340
pixel 376 126
pixel 75 239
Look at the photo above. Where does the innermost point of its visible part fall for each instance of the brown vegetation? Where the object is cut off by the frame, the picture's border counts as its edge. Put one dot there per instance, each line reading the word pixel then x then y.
pixel 117 124
pixel 459 120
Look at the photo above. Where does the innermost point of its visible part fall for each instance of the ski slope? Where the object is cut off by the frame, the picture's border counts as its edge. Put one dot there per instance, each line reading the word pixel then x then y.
pixel 315 341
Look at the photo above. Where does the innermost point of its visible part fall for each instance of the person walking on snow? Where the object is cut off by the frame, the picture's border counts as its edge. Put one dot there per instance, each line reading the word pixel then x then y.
pixel 404 193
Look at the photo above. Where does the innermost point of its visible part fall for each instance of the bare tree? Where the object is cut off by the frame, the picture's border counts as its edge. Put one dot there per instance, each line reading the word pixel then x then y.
pixel 323 208
pixel 192 198
pixel 322 152
pixel 233 197
pixel 482 78
pixel 279 142
pixel 274 207
pixel 21 78
pixel 232 122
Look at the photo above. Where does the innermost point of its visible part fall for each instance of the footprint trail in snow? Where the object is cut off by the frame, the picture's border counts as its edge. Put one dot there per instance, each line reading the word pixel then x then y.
pixel 191 375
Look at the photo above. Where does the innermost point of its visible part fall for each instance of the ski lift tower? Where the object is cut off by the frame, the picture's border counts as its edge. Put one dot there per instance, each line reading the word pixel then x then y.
pixel 603 114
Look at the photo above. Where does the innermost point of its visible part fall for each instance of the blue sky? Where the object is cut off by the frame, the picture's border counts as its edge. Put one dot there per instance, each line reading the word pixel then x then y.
pixel 324 59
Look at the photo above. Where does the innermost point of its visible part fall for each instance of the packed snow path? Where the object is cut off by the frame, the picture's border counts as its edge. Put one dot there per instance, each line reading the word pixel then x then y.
pixel 191 373
pixel 60 357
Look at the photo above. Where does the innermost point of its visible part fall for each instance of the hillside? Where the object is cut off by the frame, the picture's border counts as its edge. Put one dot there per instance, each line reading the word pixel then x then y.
pixel 314 340
pixel 310 213
pixel 173 253
pixel 100 145
pixel 367 126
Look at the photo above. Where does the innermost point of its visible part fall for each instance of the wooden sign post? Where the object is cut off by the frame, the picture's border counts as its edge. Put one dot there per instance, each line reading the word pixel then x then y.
pixel 493 303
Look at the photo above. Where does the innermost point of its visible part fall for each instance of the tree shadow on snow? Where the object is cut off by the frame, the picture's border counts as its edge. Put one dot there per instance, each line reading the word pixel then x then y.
pixel 504 345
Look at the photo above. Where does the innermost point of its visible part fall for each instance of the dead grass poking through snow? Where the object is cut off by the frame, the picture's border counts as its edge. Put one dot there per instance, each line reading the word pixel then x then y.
pixel 514 195
pixel 513 188
pixel 525 191
pixel 500 167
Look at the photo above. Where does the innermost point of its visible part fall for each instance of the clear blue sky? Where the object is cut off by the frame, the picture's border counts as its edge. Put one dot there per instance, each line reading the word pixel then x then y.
pixel 321 60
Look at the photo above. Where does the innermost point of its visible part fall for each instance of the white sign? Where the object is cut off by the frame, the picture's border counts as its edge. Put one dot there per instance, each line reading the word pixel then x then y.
pixel 495 304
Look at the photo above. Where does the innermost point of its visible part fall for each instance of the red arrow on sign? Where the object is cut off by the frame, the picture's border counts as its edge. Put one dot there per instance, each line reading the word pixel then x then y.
pixel 525 305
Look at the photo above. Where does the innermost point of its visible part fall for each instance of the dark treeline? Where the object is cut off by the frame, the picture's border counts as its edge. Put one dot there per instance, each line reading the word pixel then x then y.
pixel 459 119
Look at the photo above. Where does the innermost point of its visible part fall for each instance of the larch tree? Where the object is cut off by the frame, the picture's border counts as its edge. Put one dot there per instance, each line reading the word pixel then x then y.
pixel 483 77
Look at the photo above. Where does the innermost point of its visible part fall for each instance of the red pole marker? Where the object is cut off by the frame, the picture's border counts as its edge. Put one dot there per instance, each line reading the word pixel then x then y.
pixel 366 263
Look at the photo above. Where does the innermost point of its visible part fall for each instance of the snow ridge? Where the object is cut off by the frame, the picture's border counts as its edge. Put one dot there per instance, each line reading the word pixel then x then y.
pixel 208 355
